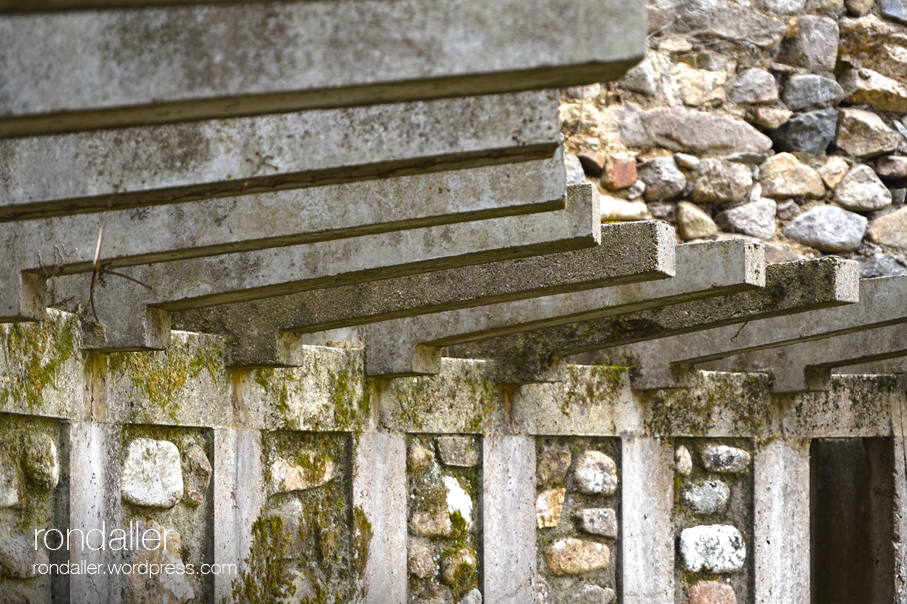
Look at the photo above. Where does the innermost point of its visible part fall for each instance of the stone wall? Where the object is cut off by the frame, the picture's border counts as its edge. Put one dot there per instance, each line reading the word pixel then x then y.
pixel 321 485
pixel 781 120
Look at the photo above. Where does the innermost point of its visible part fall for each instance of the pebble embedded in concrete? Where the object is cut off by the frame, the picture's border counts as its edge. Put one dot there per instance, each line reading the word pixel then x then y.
pixel 152 474
pixel 473 597
pixel 662 177
pixel 40 462
pixel 640 78
pixel 18 558
pixel 197 475
pixel 863 134
pixel 460 451
pixel 683 461
pixel 707 496
pixel 596 473
pixel 575 173
pixel 890 229
pixel 419 458
pixel 711 592
pixel 552 465
pixel 290 512
pixel 571 556
pixel 597 521
pixel 718 548
pixel 548 507
pixel 892 167
pixel 458 563
pixel 593 594
pixel 458 500
pixel 783 175
pixel 756 219
pixel 421 561
pixel 285 476
pixel 816 44
pixel 724 459
pixel 693 222
pixel 755 86
pixel 809 132
pixel 719 181
pixel 431 523
pixel 811 91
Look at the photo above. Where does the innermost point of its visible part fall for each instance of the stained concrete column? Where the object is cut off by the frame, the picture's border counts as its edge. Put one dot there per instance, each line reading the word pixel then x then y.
pixel 781 532
pixel 379 492
pixel 238 498
pixel 646 529
pixel 94 474
pixel 508 519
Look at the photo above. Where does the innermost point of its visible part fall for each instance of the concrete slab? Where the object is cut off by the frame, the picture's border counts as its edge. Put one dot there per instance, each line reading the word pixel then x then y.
pixel 379 500
pixel 508 519
pixel 647 532
pixel 412 345
pixel 98 171
pixel 879 304
pixel 781 527
pixel 133 312
pixel 67 244
pixel 103 69
pixel 628 252
pixel 537 356
pixel 807 366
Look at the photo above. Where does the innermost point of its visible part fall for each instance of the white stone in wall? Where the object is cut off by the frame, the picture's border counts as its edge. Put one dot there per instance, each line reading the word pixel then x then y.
pixel 152 475
pixel 576 556
pixel 597 521
pixel 40 462
pixel 198 475
pixel 10 485
pixel 718 548
pixel 458 500
pixel 473 597
pixel 458 451
pixel 593 594
pixel 724 459
pixel 548 506
pixel 286 477
pixel 707 496
pixel 596 473
pixel 683 461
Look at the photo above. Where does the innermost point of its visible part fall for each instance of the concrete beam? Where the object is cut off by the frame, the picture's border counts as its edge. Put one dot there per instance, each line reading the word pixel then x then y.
pixel 628 252
pixel 807 366
pixel 661 363
pixel 791 287
pixel 43 176
pixel 119 68
pixel 67 244
pixel 132 314
pixel 412 345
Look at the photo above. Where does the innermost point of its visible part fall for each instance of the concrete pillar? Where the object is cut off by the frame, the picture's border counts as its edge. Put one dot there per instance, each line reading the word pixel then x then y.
pixel 238 498
pixel 94 474
pixel 379 491
pixel 508 519
pixel 646 528
pixel 781 532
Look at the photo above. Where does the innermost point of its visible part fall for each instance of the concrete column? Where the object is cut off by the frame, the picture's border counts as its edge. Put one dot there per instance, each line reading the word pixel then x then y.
pixel 379 491
pixel 646 529
pixel 238 498
pixel 94 473
pixel 508 519
pixel 781 532
pixel 900 507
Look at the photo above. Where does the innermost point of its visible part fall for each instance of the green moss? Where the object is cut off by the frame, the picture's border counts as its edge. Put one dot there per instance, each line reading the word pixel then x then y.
pixel 362 540
pixel 35 356
pixel 265 581
pixel 159 377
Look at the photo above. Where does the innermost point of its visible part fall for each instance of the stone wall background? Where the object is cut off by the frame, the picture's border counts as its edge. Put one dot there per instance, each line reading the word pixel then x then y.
pixel 780 120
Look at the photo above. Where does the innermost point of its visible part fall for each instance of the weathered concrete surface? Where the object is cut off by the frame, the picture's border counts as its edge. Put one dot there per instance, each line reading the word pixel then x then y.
pixel 128 67
pixel 509 519
pixel 238 499
pixel 647 533
pixel 43 176
pixel 68 244
pixel 379 495
pixel 879 304
pixel 133 313
pixel 781 524
pixel 628 252
pixel 412 345
pixel 804 366
pixel 789 288
pixel 94 470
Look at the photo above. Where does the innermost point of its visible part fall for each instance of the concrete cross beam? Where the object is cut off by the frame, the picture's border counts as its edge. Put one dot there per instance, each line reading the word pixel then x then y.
pixel 412 345
pixel 661 363
pixel 628 252
pixel 105 69
pixel 791 287
pixel 132 313
pixel 67 244
pixel 43 176
pixel 807 366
